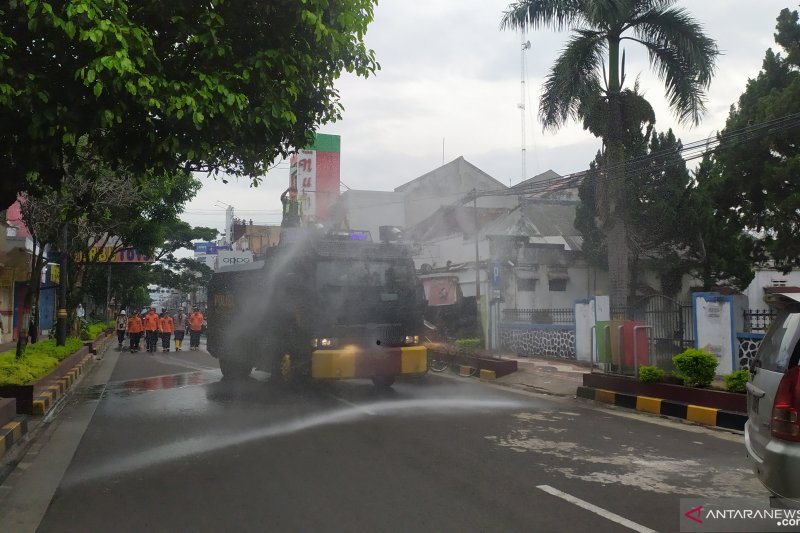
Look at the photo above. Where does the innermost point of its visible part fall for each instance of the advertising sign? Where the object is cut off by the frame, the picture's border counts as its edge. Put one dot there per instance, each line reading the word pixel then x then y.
pixel 108 255
pixel 230 258
pixel 315 175
pixel 441 291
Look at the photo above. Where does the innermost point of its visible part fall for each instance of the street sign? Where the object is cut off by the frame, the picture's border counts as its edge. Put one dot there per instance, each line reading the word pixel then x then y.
pixel 496 275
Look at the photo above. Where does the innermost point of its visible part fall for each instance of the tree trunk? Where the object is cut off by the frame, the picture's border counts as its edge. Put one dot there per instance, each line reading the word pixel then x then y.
pixel 611 206
pixel 29 323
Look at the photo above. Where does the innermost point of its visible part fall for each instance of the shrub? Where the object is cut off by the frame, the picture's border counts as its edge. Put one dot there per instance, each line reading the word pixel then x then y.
pixel 650 374
pixel 697 368
pixel 39 359
pixel 468 345
pixel 737 381
pixel 90 331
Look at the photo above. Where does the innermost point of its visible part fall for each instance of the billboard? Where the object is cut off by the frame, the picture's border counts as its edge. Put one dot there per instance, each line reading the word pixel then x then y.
pixel 315 175
pixel 441 291
pixel 229 258
pixel 210 248
pixel 108 254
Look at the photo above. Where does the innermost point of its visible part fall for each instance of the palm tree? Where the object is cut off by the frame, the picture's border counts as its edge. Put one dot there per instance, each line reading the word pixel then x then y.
pixel 586 83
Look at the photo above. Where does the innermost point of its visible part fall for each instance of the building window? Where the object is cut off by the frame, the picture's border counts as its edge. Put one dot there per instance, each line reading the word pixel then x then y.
pixel 778 282
pixel 558 285
pixel 526 284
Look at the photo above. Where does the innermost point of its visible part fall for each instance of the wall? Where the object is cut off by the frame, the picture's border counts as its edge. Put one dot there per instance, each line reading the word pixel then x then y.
pixel 544 340
pixel 368 210
pixel 767 278
pixel 717 320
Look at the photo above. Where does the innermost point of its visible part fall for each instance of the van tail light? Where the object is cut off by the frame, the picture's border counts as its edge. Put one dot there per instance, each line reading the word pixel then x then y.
pixel 785 422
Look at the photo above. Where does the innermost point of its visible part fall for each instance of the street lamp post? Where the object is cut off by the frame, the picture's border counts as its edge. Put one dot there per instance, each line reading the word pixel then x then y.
pixel 61 315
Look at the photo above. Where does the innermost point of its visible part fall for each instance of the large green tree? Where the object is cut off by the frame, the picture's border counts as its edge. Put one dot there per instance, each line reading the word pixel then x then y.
pixel 756 182
pixel 586 82
pixel 211 86
pixel 672 226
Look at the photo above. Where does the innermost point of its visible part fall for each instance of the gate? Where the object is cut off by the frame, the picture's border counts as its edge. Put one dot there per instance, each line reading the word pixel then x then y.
pixel 672 327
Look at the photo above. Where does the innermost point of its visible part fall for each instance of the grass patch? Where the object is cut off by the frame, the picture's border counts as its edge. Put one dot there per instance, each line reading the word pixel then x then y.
pixel 39 360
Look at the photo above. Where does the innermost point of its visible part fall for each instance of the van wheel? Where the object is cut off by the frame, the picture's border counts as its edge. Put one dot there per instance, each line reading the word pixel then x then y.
pixel 383 382
pixel 235 369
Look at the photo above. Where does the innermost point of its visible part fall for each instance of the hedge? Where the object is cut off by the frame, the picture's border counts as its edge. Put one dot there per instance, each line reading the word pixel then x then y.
pixel 39 360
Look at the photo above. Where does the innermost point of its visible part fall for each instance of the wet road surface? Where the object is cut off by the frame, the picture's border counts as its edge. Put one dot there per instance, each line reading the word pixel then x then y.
pixel 173 447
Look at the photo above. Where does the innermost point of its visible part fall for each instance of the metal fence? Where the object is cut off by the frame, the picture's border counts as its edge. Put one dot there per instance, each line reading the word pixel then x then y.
pixel 670 331
pixel 540 316
pixel 757 320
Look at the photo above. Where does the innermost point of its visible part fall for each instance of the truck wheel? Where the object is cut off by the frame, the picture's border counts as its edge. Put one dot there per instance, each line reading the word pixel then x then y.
pixel 235 369
pixel 383 382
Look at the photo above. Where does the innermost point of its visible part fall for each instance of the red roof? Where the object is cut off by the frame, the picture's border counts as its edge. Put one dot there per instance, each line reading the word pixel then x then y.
pixel 14 218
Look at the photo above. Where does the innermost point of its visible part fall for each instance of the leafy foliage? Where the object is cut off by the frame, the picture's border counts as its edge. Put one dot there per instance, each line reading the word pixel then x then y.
pixel 650 374
pixel 696 367
pixel 672 228
pixel 162 86
pixel 753 183
pixel 469 345
pixel 737 381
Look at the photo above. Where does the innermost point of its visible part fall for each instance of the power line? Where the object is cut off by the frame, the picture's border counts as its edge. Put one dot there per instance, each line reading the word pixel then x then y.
pixel 688 152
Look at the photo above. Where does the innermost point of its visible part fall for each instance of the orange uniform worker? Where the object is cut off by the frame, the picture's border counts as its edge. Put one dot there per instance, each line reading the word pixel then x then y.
pixel 135 328
pixel 151 328
pixel 166 325
pixel 196 320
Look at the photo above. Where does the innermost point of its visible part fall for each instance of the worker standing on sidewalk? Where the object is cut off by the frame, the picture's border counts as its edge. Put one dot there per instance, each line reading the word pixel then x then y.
pixel 195 328
pixel 122 325
pixel 167 326
pixel 135 331
pixel 151 330
pixel 179 322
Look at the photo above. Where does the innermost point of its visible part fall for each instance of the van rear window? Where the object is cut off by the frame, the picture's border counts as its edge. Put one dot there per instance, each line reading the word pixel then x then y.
pixel 777 350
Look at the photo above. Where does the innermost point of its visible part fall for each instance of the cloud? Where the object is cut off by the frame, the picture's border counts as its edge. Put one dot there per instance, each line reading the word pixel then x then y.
pixel 448 72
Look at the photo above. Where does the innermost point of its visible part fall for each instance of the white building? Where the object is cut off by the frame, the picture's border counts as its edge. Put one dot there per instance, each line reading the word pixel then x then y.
pixel 766 279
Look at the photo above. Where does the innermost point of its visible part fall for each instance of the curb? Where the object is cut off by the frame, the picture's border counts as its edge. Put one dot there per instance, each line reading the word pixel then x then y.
pixel 47 399
pixel 12 433
pixel 708 416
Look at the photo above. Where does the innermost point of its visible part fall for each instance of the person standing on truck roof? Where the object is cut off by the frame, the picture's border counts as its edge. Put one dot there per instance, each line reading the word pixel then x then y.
pixel 291 209
pixel 135 331
pixel 195 328
pixel 180 323
pixel 167 326
pixel 122 325
pixel 151 330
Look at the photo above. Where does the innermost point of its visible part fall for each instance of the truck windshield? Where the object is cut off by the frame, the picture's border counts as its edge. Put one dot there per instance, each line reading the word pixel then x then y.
pixel 355 274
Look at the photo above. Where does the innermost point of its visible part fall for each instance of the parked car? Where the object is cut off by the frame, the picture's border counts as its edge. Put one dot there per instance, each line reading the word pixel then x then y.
pixel 772 432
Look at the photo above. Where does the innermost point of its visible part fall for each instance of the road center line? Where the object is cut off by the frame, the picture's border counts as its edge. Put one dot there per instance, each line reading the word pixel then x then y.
pixel 353 405
pixel 596 510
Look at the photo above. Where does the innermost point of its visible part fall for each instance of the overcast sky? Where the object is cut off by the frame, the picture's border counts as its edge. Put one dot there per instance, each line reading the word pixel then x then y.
pixel 448 72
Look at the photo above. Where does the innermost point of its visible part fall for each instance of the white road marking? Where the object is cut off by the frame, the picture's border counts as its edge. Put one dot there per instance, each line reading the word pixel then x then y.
pixel 596 510
pixel 353 405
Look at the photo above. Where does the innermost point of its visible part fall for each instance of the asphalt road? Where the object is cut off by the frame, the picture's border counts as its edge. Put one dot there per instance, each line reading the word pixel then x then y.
pixel 170 446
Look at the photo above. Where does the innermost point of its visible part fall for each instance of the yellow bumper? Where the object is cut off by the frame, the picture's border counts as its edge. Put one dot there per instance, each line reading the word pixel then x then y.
pixel 356 362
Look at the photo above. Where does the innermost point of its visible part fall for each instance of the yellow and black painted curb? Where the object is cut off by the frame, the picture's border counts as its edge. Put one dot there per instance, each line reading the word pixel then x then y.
pixel 694 413
pixel 12 433
pixel 49 397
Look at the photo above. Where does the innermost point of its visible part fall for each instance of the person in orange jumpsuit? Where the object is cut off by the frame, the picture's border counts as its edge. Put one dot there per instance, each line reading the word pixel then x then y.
pixel 167 326
pixel 135 331
pixel 151 329
pixel 195 328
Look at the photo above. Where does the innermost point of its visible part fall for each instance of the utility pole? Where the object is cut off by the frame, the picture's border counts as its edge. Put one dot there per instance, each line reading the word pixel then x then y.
pixel 525 46
pixel 477 262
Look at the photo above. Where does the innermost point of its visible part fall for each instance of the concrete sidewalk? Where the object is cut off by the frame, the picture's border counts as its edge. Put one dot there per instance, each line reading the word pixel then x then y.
pixel 549 376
